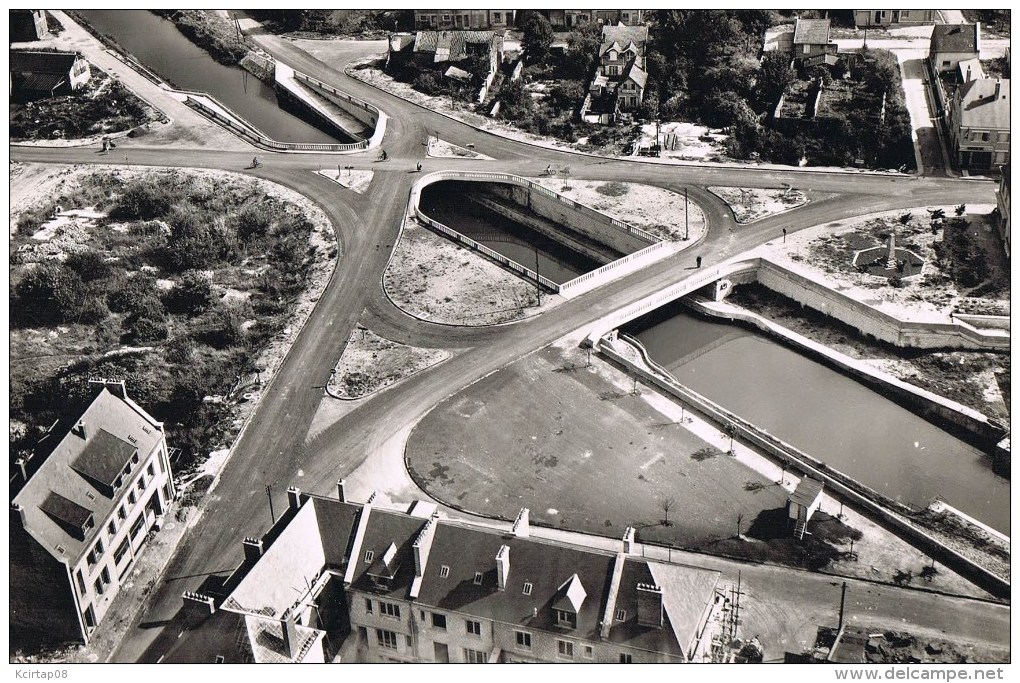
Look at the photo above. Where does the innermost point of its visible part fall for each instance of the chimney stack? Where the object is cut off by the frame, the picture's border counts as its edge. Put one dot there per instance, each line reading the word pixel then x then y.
pixel 628 541
pixel 79 427
pixel 294 497
pixel 502 566
pixel 22 464
pixel 197 607
pixel 18 513
pixel 522 525
pixel 291 639
pixel 423 545
pixel 341 492
pixel 252 550
pixel 649 605
pixel 998 88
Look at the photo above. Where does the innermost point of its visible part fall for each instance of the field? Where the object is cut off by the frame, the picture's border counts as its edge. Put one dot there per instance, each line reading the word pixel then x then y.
pixel 175 281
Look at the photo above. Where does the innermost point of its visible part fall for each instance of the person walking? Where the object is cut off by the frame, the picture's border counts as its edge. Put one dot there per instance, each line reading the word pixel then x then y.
pixel 698 261
pixel 419 167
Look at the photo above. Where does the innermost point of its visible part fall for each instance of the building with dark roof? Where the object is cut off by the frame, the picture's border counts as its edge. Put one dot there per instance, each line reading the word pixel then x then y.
pixel 81 519
pixel 471 19
pixel 1002 202
pixel 978 122
pixel 811 44
pixel 620 76
pixel 27 25
pixel 952 44
pixel 892 18
pixel 409 586
pixel 40 74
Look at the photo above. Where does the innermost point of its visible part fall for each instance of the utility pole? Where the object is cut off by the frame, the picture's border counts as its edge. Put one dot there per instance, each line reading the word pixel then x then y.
pixel 269 492
pixel 842 605
pixel 538 282
pixel 687 225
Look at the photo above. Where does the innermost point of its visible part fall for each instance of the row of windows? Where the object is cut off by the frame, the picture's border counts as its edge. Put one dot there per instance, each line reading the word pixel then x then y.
pixel 387 609
pixel 96 553
pixel 564 648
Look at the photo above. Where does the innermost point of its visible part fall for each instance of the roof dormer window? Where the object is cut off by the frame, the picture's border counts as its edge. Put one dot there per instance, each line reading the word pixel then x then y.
pixel 444 571
pixel 527 588
pixel 369 556
pixel 566 619
pixel 478 579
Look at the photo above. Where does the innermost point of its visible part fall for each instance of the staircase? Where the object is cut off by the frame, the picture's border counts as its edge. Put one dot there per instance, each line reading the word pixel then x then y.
pixel 798 530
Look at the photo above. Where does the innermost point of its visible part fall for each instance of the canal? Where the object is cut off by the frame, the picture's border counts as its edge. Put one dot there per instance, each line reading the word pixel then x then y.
pixel 446 202
pixel 825 414
pixel 157 44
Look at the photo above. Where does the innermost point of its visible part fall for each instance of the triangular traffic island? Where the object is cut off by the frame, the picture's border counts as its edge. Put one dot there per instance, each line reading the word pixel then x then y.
pixel 352 179
pixel 441 149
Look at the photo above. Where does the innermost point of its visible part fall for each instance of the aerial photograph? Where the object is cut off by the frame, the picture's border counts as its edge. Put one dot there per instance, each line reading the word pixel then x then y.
pixel 592 336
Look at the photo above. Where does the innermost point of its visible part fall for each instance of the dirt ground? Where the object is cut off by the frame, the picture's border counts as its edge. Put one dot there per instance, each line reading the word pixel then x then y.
pixel 371 363
pixel 653 209
pixel 749 205
pixel 436 279
pixel 441 149
pixel 826 252
pixel 681 140
pixel 356 181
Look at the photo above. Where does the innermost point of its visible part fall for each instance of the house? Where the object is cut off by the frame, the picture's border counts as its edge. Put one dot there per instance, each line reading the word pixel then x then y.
pixel 620 76
pixel 84 516
pixel 285 602
pixel 779 39
pixel 952 44
pixel 27 25
pixel 574 18
pixel 407 585
pixel 978 123
pixel 969 70
pixel 893 17
pixel 802 504
pixel 811 43
pixel 425 48
pixel 1002 203
pixel 467 19
pixel 38 74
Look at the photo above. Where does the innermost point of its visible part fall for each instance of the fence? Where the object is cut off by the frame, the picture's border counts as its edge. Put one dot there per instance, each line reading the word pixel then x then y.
pixel 847 488
pixel 488 176
pixel 253 135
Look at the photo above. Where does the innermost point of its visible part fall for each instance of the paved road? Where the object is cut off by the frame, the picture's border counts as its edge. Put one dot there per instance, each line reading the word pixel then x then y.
pixel 273 449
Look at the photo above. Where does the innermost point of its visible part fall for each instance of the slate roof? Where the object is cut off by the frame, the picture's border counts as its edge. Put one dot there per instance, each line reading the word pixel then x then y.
pixel 337 522
pixel 452 46
pixel 542 565
pixel 636 74
pixel 954 38
pixel 811 32
pixel 110 422
pixel 979 108
pixel 40 82
pixel 386 528
pixel 42 62
pixel 104 457
pixel 686 592
pixel 622 36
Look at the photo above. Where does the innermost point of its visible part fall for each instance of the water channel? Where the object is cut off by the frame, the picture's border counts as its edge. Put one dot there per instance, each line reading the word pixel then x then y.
pixel 825 414
pixel 157 44
pixel 446 203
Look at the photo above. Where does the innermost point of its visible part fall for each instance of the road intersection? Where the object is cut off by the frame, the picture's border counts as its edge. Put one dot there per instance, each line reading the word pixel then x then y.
pixel 275 449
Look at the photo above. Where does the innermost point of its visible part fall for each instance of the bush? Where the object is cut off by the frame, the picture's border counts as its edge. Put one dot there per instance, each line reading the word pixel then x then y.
pixel 191 295
pixel 47 295
pixel 612 189
pixel 89 265
pixel 131 290
pixel 253 221
pixel 429 83
pixel 145 330
pixel 145 200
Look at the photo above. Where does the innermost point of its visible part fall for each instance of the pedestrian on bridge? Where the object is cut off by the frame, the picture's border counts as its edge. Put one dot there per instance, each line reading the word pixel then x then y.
pixel 419 167
pixel 698 261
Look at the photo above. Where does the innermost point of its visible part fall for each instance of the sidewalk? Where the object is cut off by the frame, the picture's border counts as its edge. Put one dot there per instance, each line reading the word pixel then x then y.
pixel 186 129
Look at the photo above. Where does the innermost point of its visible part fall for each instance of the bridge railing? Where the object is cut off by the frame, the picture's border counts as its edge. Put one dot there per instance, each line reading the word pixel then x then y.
pixel 613 265
pixel 252 134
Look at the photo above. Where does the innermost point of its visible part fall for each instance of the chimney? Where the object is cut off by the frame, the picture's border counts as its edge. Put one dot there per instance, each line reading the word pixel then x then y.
pixel 522 526
pixel 998 89
pixel 252 550
pixel 22 464
pixel 423 545
pixel 197 607
pixel 18 513
pixel 649 605
pixel 79 430
pixel 967 79
pixel 628 541
pixel 502 566
pixel 291 639
pixel 294 497
pixel 116 387
pixel 341 492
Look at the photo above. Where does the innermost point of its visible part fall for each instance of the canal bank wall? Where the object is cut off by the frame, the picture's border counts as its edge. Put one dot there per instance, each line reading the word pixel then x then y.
pixel 631 262
pixel 880 508
pixel 970 425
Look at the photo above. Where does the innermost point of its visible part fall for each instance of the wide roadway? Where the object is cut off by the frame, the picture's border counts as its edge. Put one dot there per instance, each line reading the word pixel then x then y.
pixel 273 448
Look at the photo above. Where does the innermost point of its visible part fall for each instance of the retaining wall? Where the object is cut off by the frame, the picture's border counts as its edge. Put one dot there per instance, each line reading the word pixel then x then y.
pixel 873 322
pixel 589 223
pixel 877 506
pixel 573 287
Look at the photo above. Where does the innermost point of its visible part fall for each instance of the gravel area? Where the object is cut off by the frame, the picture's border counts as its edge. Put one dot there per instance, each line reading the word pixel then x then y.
pixel 749 205
pixel 372 363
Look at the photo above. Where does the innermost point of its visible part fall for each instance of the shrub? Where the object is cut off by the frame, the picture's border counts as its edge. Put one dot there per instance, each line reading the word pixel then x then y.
pixel 145 330
pixel 123 298
pixel 48 294
pixel 253 221
pixel 429 83
pixel 191 295
pixel 89 265
pixel 145 200
pixel 612 189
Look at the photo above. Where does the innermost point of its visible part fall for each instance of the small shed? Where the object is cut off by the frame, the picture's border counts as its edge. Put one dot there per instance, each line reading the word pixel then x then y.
pixel 803 502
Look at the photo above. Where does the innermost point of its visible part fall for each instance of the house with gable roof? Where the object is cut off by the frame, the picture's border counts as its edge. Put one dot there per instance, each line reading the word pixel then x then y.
pixel 39 74
pixel 84 515
pixel 978 122
pixel 952 44
pixel 620 76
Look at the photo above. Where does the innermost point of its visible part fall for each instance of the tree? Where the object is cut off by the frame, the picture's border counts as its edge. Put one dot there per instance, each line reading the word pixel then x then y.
pixel 666 504
pixel 50 294
pixel 730 430
pixel 740 520
pixel 961 209
pixel 537 38
pixel 582 50
pixel 905 218
pixel 515 102
pixel 774 80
